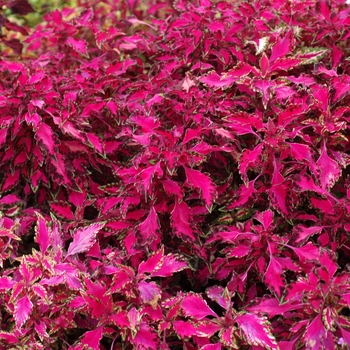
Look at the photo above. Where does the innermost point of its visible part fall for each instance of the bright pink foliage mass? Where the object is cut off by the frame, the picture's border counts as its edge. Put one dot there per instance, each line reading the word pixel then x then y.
pixel 174 175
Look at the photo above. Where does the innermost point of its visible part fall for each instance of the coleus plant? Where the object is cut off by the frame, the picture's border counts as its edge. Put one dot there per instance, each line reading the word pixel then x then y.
pixel 174 175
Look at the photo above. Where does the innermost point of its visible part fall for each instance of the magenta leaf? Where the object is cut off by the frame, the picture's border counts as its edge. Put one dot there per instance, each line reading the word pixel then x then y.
pixel 149 291
pixel 92 338
pixel 329 170
pixel 203 182
pixel 78 45
pixel 180 218
pixel 184 329
pixel 45 138
pixel 149 227
pixel 274 276
pixel 84 238
pixel 63 210
pixel 43 233
pixel 256 330
pixel 194 306
pixel 282 47
pixel 168 266
pixel 23 309
pixel 315 334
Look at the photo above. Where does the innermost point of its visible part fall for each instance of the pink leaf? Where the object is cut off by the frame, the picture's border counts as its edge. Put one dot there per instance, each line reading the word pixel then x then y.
pixel 315 334
pixel 184 329
pixel 3 135
pixel 45 138
pixel 203 182
pixel 23 308
pixel 256 331
pixel 306 232
pixel 92 338
pixel 281 48
pixel 329 170
pixel 6 283
pixel 307 253
pixel 150 293
pixel 188 83
pixel 272 307
pixel 79 46
pixel 149 227
pixel 194 306
pixel 62 210
pixel 216 346
pixel 248 159
pixel 43 233
pixel 172 187
pixel 152 263
pixel 84 238
pixel 145 338
pixel 273 276
pixel 169 265
pixel 180 218
pixel 11 180
pixel 8 337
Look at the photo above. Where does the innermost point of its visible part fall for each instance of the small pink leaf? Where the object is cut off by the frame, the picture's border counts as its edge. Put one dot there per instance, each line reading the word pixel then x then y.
pixel 84 238
pixel 184 329
pixel 79 46
pixel 329 170
pixel 62 210
pixel 150 293
pixel 315 334
pixel 23 308
pixel 92 338
pixel 180 218
pixel 274 277
pixel 43 233
pixel 149 227
pixel 194 306
pixel 281 48
pixel 169 265
pixel 256 331
pixel 6 283
pixel 8 337
pixel 203 182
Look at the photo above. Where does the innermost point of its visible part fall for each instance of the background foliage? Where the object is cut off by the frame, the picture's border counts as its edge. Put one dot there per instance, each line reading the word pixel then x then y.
pixel 174 175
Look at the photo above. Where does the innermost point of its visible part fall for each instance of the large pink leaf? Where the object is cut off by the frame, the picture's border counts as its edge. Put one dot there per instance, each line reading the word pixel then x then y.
pixel 23 308
pixel 84 238
pixel 203 182
pixel 256 331
pixel 193 305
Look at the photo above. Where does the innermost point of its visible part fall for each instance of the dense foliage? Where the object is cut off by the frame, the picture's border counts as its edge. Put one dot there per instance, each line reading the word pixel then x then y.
pixel 175 175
